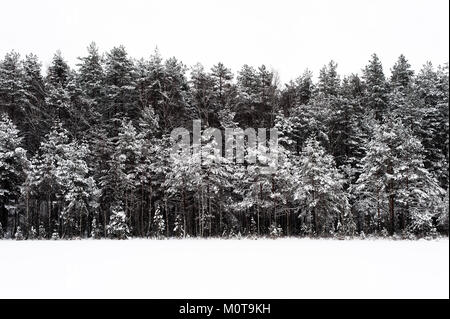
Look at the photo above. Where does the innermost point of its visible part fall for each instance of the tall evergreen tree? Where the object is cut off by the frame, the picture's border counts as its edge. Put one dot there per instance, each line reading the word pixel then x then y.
pixel 120 89
pixel 13 163
pixel 320 190
pixel 376 87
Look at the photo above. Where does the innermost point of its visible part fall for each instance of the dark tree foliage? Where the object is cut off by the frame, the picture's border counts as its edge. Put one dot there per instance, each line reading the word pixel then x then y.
pixel 87 152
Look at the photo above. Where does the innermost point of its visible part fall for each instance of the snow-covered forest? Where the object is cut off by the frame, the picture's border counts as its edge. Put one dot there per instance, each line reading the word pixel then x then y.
pixel 85 151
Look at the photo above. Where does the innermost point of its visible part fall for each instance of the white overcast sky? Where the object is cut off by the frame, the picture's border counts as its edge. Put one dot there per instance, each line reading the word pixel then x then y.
pixel 288 36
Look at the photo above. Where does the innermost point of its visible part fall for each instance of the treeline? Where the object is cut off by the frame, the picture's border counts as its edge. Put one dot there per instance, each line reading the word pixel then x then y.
pixel 85 152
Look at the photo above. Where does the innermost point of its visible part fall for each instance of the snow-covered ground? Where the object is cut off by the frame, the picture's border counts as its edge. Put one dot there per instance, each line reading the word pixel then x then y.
pixel 290 268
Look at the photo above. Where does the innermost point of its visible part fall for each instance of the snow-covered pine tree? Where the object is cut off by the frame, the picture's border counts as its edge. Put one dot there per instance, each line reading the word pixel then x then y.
pixel 181 184
pixel 431 90
pixel 178 229
pixel 395 190
pixel 59 174
pixel 329 81
pixel 343 107
pixel 35 122
pixel 224 94
pixel 117 227
pixel 159 224
pixel 401 74
pixel 372 186
pixel 253 227
pixel 284 164
pixel 58 100
pixel 12 97
pixel 90 82
pixel 146 167
pixel 420 199
pixel 22 95
pixel 32 234
pixel 42 234
pixel 129 148
pixel 13 163
pixel 19 234
pixel 95 229
pixel 247 86
pixel 376 87
pixel 216 176
pixel 120 83
pixel 298 92
pixel 275 230
pixel 79 190
pixel 320 191
pixel 202 92
pixel 91 75
pixel 255 188
pixel 41 184
pixel 172 104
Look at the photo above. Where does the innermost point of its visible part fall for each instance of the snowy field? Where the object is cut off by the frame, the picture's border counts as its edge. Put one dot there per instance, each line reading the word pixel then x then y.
pixel 290 268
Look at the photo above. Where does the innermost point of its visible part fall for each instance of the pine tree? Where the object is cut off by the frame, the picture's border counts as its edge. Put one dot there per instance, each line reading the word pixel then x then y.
pixel 95 230
pixel 376 87
pixel 36 118
pixel 401 74
pixel 117 226
pixel 275 230
pixel 19 235
pixel 42 233
pixel 354 123
pixel 91 82
pixel 79 190
pixel 305 88
pixel 173 105
pixel 33 233
pixel 202 91
pixel 91 74
pixel 343 107
pixel 128 151
pixel 58 100
pixel 43 182
pixel 420 198
pixel 224 94
pixel 248 90
pixel 159 225
pixel 267 97
pixel 431 89
pixel 178 229
pixel 59 71
pixel 394 188
pixel 308 120
pixel 120 89
pixel 329 81
pixel 13 163
pixel 255 187
pixel 320 190
pixel 12 97
pixel 298 92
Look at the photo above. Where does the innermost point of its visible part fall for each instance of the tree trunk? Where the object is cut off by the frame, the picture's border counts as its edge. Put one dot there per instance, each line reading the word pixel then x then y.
pixel 167 217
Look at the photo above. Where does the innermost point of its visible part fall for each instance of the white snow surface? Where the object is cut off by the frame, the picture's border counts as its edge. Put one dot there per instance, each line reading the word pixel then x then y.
pixel 285 268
